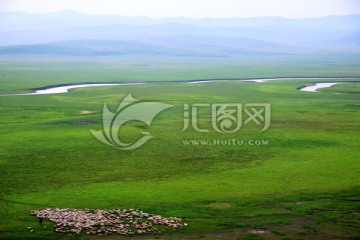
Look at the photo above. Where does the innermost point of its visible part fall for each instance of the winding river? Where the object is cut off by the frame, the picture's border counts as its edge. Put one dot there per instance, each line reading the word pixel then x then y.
pixel 66 88
pixel 317 86
pixel 56 89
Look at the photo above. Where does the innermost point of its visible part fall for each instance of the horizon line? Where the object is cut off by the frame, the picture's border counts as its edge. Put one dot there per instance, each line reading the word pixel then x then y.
pixel 199 18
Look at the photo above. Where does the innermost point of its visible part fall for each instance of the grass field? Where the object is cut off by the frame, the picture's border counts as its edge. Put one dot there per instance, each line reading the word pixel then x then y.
pixel 303 185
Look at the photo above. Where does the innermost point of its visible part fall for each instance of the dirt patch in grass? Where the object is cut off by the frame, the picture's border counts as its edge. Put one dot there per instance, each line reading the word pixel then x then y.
pixel 78 122
pixel 219 205
pixel 86 112
pixel 258 231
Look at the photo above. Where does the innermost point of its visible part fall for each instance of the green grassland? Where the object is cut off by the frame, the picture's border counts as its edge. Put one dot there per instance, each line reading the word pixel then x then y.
pixel 303 185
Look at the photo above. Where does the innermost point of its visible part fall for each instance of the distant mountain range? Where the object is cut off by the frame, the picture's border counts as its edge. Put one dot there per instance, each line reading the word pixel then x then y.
pixel 71 33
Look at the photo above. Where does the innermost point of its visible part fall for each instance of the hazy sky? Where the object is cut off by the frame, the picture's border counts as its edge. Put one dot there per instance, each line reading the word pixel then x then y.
pixel 191 8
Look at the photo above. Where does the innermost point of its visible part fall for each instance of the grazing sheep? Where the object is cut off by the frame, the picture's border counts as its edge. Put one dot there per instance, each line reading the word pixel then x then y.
pixel 116 221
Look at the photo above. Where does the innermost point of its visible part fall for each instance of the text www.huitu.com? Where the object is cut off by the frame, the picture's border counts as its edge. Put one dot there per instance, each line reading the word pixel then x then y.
pixel 224 142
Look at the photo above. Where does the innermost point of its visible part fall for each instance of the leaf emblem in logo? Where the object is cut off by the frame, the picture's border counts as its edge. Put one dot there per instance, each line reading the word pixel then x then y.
pixel 130 109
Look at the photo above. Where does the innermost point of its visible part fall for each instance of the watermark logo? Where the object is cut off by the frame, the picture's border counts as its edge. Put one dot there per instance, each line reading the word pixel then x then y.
pixel 229 118
pixel 130 109
pixel 226 118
